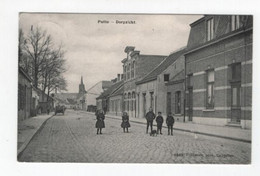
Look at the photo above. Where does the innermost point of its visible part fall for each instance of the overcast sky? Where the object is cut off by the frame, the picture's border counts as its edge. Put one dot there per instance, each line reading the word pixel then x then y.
pixel 95 50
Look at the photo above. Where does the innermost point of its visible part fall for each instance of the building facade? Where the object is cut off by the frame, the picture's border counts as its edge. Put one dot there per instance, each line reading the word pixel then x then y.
pixel 24 95
pixel 135 66
pixel 153 88
pixel 95 91
pixel 219 71
pixel 103 101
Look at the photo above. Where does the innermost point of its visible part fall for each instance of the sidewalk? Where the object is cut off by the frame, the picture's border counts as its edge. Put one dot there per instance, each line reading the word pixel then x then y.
pixel 28 128
pixel 233 133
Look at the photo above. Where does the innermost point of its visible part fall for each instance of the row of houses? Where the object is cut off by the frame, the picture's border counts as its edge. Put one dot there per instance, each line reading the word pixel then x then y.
pixel 209 81
pixel 31 100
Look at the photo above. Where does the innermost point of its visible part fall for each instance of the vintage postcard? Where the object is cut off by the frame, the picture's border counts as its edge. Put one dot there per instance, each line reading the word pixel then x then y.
pixel 135 88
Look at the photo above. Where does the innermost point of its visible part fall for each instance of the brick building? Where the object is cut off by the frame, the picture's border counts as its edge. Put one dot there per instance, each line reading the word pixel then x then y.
pixel 135 66
pixel 219 71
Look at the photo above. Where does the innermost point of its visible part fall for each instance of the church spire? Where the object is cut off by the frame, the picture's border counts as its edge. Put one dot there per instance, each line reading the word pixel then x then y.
pixel 81 86
pixel 81 80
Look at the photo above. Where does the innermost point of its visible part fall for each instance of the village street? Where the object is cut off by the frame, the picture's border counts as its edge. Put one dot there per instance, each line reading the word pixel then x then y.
pixel 73 138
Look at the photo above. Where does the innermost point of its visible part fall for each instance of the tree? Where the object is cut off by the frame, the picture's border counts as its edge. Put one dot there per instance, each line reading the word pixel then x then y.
pixel 44 60
pixel 38 46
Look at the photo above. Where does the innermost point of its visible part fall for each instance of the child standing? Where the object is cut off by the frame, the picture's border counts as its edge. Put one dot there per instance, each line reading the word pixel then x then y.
pixel 170 122
pixel 125 122
pixel 159 121
pixel 100 121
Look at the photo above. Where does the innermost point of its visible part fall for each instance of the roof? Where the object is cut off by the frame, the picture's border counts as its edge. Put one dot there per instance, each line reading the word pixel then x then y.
pixel 66 95
pixel 179 77
pixel 162 66
pixel 21 70
pixel 110 90
pixel 222 29
pixel 106 84
pixel 119 91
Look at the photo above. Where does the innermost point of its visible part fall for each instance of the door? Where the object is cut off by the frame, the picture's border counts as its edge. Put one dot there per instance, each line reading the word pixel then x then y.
pixel 190 103
pixel 168 103
pixel 235 103
pixel 144 104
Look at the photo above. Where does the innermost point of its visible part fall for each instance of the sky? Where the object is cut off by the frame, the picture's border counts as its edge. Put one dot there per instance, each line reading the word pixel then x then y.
pixel 95 50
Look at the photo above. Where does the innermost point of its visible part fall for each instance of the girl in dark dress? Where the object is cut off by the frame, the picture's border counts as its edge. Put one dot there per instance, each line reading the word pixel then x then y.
pixel 100 122
pixel 125 122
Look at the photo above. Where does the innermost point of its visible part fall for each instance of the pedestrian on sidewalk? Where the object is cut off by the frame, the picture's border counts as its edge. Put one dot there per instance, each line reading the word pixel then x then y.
pixel 170 122
pixel 100 122
pixel 125 122
pixel 150 116
pixel 159 121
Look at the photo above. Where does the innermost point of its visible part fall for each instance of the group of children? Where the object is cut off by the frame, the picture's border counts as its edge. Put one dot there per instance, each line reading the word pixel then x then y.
pixel 150 116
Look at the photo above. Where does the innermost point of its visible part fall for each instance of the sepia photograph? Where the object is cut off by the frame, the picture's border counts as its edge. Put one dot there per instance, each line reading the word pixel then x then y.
pixel 134 88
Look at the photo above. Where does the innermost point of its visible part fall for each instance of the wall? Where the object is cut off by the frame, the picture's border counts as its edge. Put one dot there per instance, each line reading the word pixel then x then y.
pixel 146 88
pixel 219 56
pixel 173 70
pixel 93 93
pixel 115 105
pixel 25 96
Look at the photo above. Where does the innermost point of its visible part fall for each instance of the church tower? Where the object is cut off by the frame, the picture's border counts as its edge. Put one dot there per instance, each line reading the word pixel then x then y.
pixel 82 87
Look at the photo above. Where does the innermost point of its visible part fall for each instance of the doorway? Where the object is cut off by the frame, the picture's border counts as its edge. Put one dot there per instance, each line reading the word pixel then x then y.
pixel 235 103
pixel 190 103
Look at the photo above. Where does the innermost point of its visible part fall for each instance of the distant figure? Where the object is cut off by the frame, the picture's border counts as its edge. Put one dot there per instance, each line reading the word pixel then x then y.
pixel 100 122
pixel 159 121
pixel 48 109
pixel 150 116
pixel 125 122
pixel 170 122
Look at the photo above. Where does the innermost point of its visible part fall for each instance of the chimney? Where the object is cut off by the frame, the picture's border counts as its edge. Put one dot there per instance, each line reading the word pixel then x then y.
pixel 118 77
pixel 122 76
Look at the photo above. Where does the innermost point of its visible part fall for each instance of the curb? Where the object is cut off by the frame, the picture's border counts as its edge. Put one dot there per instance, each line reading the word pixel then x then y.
pixel 195 132
pixel 25 144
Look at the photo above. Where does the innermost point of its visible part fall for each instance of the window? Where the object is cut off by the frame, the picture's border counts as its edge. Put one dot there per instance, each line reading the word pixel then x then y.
pixel 178 102
pixel 133 69
pixel 152 100
pixel 235 22
pixel 236 72
pixel 210 29
pixel 125 102
pixel 133 101
pixel 128 72
pixel 210 89
pixel 129 102
pixel 166 77
pixel 125 73
pixel 189 80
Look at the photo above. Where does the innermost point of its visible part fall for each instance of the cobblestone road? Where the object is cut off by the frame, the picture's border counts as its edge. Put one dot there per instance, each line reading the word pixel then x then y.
pixel 72 138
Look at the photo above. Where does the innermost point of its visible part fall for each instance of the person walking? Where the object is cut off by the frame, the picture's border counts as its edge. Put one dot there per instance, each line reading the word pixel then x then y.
pixel 159 121
pixel 125 122
pixel 150 116
pixel 100 122
pixel 170 122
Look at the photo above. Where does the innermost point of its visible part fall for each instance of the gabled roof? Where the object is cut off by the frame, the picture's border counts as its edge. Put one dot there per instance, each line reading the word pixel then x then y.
pixel 162 66
pixel 110 90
